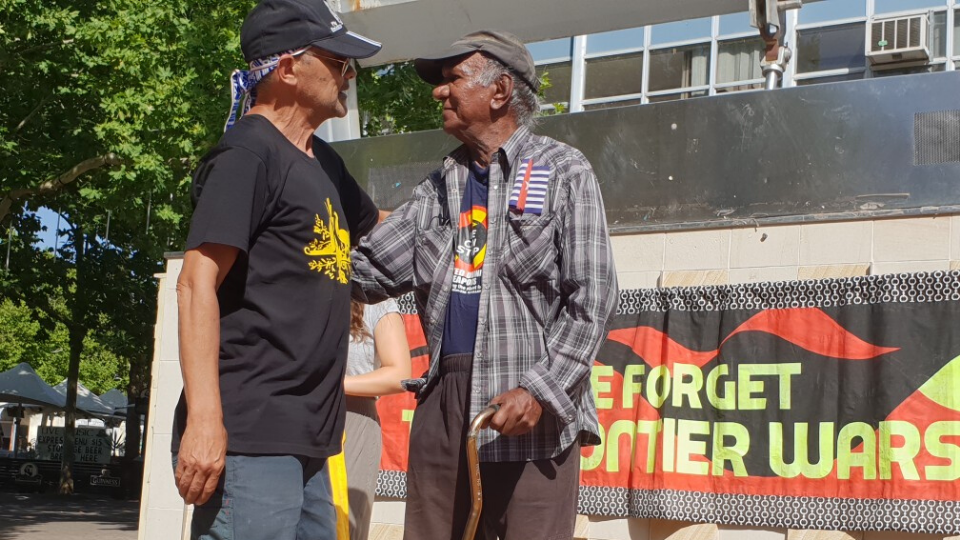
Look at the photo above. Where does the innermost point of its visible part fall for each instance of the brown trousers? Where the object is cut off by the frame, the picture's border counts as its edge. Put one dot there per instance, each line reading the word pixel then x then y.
pixel 532 500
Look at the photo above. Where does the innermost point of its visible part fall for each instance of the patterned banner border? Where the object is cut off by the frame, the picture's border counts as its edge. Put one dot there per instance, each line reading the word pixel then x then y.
pixel 861 290
pixel 865 290
pixel 818 513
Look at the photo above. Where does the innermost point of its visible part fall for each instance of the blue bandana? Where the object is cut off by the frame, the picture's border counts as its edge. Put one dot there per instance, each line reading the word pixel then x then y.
pixel 243 83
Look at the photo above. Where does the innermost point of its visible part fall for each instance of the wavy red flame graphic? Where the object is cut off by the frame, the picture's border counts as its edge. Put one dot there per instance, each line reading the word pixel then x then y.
pixel 813 330
pixel 809 328
pixel 657 348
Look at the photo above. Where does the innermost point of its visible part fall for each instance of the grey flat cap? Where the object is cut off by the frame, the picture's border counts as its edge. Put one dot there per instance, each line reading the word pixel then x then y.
pixel 505 47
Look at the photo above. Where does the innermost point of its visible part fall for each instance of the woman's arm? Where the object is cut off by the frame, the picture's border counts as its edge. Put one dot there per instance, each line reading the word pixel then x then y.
pixel 390 340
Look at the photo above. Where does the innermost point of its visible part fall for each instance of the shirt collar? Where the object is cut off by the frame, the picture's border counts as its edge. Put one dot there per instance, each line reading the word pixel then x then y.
pixel 514 145
pixel 510 151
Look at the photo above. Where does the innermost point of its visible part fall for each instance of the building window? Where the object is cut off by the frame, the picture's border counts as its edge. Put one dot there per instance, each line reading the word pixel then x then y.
pixel 831 48
pixel 552 50
pixel 675 32
pixel 553 63
pixel 616 41
pixel 679 67
pixel 609 76
pixel 832 10
pixel 938 39
pixel 738 61
pixel 956 33
pixel 558 75
pixel 893 6
pixel 736 23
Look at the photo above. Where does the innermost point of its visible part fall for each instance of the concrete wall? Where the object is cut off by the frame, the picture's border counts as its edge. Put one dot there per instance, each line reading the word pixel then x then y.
pixel 161 508
pixel 712 257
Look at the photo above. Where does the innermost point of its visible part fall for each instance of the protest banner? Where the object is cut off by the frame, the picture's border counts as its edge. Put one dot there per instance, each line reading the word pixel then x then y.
pixel 830 404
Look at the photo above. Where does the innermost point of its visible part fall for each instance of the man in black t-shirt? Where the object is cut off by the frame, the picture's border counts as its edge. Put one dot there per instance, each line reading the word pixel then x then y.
pixel 264 292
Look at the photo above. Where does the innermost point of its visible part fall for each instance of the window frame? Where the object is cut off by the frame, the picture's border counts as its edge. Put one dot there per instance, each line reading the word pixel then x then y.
pixel 579 58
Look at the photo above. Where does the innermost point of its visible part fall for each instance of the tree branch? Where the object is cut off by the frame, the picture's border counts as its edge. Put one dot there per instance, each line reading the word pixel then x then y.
pixel 32 113
pixel 55 184
pixel 40 47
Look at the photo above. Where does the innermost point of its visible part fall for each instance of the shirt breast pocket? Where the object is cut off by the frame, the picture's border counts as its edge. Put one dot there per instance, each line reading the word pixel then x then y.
pixel 433 244
pixel 532 251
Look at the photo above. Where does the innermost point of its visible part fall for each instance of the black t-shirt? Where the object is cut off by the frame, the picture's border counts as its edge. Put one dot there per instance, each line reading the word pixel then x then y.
pixel 285 304
pixel 460 328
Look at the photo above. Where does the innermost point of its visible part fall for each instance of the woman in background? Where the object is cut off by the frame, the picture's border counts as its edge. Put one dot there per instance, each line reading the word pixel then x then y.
pixel 379 359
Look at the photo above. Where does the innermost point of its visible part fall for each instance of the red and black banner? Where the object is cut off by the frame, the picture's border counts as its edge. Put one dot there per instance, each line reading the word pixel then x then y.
pixel 831 404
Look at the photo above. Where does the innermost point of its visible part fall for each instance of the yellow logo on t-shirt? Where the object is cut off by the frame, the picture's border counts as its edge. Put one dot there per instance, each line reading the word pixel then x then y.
pixel 332 248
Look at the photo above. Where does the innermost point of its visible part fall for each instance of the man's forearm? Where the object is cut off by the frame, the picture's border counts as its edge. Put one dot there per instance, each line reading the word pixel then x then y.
pixel 203 446
pixel 199 352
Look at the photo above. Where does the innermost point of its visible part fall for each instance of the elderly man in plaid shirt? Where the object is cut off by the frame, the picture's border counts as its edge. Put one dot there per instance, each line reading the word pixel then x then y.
pixel 506 250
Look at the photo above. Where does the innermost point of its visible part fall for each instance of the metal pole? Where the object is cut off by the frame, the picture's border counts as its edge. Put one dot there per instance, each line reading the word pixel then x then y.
pixel 149 207
pixel 106 236
pixel 765 16
pixel 773 75
pixel 6 265
pixel 16 430
pixel 56 236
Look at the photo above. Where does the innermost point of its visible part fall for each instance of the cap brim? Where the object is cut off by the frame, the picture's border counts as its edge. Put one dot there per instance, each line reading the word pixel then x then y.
pixel 430 68
pixel 349 45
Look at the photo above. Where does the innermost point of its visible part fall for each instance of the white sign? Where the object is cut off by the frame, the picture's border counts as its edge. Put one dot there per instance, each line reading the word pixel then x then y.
pixel 91 445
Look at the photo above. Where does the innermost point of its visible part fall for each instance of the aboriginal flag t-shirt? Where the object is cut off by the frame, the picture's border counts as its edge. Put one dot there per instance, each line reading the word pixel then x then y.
pixel 285 303
pixel 463 310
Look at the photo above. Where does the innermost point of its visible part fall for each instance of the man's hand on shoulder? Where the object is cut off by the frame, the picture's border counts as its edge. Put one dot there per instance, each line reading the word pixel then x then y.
pixel 519 412
pixel 202 458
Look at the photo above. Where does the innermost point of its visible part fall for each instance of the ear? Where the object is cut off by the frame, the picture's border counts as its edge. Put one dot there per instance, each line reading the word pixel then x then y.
pixel 503 90
pixel 286 71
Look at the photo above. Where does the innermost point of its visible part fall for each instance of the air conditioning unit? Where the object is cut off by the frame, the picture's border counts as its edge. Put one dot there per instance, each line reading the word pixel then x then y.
pixel 899 39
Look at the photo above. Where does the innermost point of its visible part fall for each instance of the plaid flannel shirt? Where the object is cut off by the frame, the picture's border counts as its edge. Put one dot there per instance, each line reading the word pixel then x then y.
pixel 548 287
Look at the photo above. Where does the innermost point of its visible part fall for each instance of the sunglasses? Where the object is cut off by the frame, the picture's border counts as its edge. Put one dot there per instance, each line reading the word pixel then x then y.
pixel 345 65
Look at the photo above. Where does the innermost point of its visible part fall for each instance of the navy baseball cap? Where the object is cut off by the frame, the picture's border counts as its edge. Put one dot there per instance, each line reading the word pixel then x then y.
pixel 276 26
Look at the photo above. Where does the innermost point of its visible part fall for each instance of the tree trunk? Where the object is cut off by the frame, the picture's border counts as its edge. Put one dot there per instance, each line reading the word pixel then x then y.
pixel 78 310
pixel 131 447
pixel 69 432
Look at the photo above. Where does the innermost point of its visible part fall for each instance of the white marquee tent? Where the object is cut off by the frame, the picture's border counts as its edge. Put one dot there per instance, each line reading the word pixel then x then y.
pixel 116 399
pixel 87 401
pixel 22 385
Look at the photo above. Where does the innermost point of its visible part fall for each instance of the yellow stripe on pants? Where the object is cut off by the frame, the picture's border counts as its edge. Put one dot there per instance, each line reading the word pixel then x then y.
pixel 337 465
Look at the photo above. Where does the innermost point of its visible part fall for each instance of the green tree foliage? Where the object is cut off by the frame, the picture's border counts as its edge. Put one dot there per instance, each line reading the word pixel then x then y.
pixel 23 340
pixel 101 368
pixel 128 93
pixel 18 334
pixel 105 108
pixel 393 99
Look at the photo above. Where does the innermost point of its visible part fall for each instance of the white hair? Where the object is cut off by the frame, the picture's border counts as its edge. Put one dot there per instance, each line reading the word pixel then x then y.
pixel 524 102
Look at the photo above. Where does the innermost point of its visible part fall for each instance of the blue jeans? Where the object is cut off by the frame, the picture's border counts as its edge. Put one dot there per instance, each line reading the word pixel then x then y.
pixel 268 498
